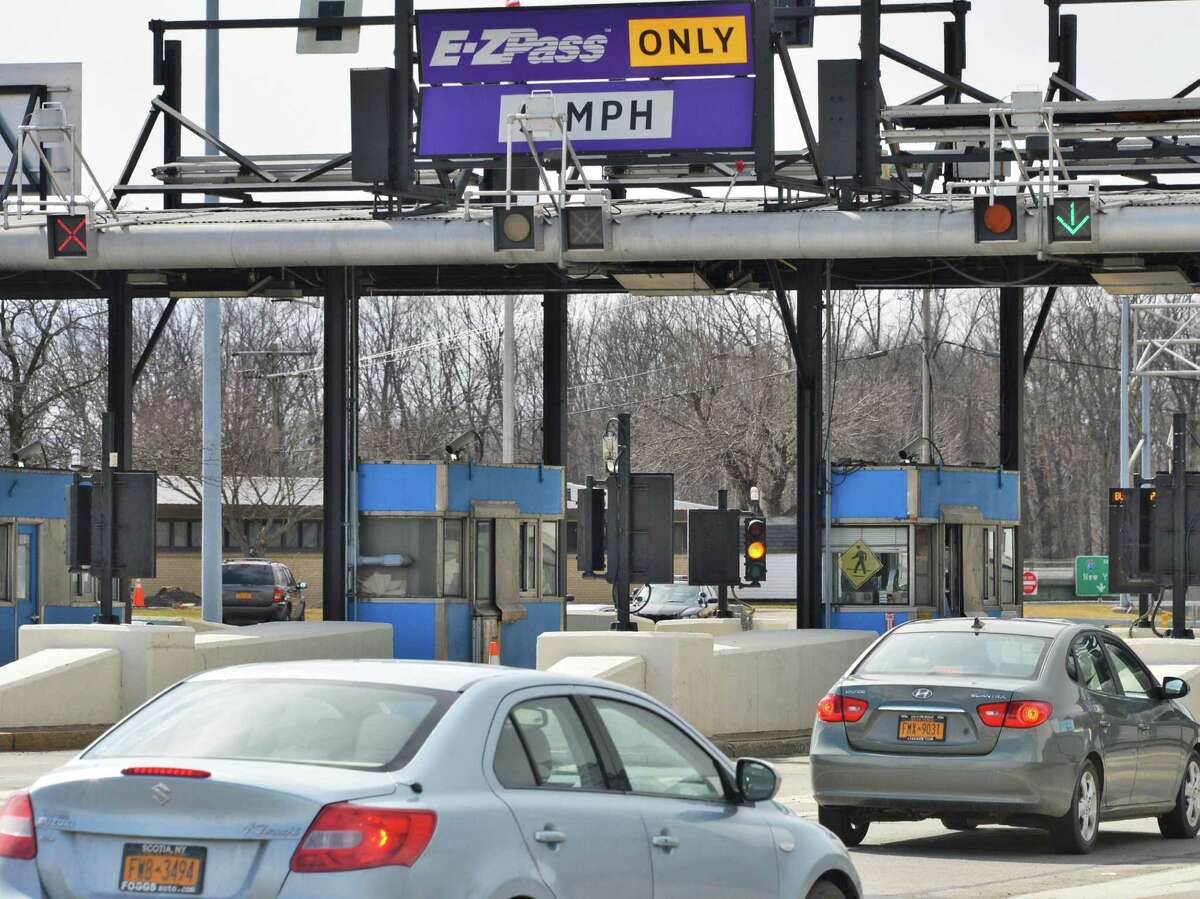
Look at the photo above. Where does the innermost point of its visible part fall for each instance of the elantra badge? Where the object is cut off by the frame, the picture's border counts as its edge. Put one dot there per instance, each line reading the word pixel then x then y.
pixel 922 693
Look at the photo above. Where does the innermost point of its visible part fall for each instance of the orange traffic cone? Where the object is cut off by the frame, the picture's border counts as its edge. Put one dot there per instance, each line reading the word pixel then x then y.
pixel 494 652
pixel 139 595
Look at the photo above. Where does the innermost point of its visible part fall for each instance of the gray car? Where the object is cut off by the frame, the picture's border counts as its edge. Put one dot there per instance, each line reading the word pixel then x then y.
pixel 411 780
pixel 1028 722
pixel 258 590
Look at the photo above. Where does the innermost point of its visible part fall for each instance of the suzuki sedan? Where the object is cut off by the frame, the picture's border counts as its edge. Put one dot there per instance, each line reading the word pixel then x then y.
pixel 410 780
pixel 1034 723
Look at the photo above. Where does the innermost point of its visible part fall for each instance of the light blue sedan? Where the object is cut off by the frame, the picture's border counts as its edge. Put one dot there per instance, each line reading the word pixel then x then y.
pixel 416 780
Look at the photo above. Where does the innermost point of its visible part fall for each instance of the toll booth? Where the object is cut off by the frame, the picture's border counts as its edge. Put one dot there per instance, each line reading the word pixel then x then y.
pixel 35 585
pixel 917 541
pixel 458 555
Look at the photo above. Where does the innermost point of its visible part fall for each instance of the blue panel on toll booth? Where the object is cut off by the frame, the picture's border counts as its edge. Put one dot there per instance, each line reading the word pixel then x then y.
pixel 996 497
pixel 33 494
pixel 535 491
pixel 518 639
pixel 870 493
pixel 398 487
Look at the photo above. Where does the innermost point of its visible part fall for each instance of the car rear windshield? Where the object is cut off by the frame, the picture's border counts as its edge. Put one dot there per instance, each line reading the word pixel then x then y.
pixel 253 575
pixel 313 722
pixel 968 653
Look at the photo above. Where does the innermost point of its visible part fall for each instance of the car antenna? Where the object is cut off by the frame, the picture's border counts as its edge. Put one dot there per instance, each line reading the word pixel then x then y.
pixel 978 625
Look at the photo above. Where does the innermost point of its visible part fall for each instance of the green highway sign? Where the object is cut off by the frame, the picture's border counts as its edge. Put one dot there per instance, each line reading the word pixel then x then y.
pixel 1091 576
pixel 1071 219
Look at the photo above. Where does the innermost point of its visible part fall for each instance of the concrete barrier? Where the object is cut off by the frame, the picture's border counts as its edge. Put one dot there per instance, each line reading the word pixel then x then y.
pixel 772 680
pixel 714 626
pixel 738 683
pixel 150 658
pixel 629 671
pixel 282 641
pixel 60 687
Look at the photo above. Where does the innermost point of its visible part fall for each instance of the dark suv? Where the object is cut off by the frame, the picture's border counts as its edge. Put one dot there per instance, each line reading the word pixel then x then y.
pixel 257 590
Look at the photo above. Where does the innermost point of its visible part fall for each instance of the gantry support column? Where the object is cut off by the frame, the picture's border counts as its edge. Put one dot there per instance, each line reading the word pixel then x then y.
pixel 118 423
pixel 809 469
pixel 1012 396
pixel 555 308
pixel 340 380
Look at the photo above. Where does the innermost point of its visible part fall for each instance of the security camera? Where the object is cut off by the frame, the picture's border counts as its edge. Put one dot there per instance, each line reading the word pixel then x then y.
pixel 460 448
pixel 29 453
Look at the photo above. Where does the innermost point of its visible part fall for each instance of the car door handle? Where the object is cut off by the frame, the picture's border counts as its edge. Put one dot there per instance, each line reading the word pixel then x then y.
pixel 665 841
pixel 550 837
pixel 1143 728
pixel 1104 724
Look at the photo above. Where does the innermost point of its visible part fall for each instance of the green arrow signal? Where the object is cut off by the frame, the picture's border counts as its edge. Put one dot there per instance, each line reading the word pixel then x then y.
pixel 1074 227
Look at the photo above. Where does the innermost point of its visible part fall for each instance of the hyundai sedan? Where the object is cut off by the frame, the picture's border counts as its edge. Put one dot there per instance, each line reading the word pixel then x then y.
pixel 1028 722
pixel 408 779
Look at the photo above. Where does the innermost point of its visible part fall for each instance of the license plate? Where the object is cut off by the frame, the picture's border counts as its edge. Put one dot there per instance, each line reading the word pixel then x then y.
pixel 168 868
pixel 922 728
pixel 243 596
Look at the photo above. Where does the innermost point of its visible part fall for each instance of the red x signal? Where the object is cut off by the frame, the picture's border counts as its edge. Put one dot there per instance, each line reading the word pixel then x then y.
pixel 67 234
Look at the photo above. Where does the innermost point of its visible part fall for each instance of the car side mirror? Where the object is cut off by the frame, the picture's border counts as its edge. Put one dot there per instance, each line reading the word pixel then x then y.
pixel 1072 667
pixel 303 585
pixel 756 780
pixel 1174 688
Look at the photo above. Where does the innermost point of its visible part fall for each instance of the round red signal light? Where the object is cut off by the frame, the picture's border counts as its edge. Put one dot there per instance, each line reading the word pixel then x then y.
pixel 756 527
pixel 998 218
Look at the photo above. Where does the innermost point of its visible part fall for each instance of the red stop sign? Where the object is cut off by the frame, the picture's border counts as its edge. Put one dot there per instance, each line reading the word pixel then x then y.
pixel 1029 583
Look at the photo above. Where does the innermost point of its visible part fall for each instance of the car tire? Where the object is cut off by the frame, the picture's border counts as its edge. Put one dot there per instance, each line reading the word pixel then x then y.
pixel 1183 821
pixel 1075 832
pixel 300 614
pixel 850 828
pixel 959 824
pixel 826 889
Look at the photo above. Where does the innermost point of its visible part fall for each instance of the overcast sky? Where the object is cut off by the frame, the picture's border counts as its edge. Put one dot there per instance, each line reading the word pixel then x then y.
pixel 276 101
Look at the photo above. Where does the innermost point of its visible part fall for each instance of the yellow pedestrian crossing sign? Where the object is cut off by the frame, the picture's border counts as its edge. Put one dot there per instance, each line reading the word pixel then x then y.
pixel 859 564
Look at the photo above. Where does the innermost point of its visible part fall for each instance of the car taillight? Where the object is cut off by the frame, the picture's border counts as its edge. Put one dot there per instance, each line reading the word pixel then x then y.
pixel 348 837
pixel 835 707
pixel 1020 713
pixel 278 597
pixel 158 771
pixel 17 838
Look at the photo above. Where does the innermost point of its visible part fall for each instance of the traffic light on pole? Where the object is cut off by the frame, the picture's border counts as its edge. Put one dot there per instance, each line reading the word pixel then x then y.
pixel 995 218
pixel 754 562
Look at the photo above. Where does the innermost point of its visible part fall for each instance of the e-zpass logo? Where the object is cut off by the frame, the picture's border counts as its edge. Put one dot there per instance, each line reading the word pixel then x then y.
pixel 500 46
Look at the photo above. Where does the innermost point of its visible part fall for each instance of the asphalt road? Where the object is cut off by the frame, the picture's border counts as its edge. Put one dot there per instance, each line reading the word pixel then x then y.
pixel 925 860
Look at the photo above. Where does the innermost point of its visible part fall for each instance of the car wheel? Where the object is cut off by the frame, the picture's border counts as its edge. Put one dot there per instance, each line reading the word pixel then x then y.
pixel 849 827
pixel 959 824
pixel 1183 821
pixel 826 889
pixel 1075 832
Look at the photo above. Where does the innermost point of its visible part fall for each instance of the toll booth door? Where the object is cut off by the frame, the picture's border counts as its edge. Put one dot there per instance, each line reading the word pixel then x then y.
pixel 18 583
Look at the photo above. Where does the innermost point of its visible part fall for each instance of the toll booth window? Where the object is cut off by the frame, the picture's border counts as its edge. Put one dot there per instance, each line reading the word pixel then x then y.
pixel 24 549
pixel 485 564
pixel 529 542
pixel 452 556
pixel 873 565
pixel 5 595
pixel 549 558
pixel 398 557
pixel 990 597
pixel 922 566
pixel 1008 555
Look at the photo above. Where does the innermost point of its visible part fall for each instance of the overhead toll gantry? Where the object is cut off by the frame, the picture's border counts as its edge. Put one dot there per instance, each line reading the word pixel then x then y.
pixel 560 172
